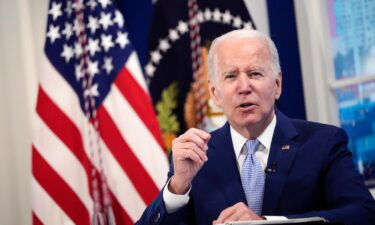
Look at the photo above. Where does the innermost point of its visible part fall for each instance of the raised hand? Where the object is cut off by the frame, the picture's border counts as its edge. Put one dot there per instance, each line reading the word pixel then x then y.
pixel 189 155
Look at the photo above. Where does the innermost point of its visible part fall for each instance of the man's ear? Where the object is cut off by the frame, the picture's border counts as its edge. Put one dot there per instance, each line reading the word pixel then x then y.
pixel 278 86
pixel 213 92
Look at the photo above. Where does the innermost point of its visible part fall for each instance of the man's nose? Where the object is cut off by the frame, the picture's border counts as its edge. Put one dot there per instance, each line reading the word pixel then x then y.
pixel 244 84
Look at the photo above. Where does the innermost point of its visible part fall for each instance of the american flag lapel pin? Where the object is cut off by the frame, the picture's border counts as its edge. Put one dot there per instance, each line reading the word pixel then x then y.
pixel 285 147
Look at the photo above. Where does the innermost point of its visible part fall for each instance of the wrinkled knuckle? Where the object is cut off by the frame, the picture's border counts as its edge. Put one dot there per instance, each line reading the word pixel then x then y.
pixel 191 130
pixel 174 141
pixel 238 205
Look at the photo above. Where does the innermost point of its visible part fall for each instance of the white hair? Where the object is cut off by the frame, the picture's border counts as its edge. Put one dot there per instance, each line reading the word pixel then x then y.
pixel 243 33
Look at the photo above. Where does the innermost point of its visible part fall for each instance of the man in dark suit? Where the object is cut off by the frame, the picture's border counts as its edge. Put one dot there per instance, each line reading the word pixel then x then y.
pixel 260 164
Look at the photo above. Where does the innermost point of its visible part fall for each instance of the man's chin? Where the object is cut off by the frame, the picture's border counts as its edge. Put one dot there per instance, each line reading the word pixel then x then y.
pixel 248 122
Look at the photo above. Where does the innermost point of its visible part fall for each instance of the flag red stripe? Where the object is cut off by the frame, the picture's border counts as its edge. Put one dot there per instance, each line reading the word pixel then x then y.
pixel 36 220
pixel 59 190
pixel 141 180
pixel 140 102
pixel 62 127
pixel 120 214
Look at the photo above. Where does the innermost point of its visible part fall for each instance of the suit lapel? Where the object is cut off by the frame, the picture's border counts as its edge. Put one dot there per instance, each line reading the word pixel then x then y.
pixel 225 170
pixel 282 154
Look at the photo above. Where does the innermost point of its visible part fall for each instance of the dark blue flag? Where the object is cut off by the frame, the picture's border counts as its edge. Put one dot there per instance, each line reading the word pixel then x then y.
pixel 180 34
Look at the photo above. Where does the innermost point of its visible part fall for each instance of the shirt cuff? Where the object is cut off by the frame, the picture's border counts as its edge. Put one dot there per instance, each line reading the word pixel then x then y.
pixel 275 217
pixel 172 201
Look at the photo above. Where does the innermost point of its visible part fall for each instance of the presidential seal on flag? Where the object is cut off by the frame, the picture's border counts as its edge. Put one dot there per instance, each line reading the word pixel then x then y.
pixel 180 36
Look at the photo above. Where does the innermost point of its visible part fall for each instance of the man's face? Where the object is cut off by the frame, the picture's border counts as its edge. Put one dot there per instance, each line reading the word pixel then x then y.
pixel 244 85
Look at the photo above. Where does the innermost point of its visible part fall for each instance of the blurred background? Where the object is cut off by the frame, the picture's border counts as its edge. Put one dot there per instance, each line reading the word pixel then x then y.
pixel 326 48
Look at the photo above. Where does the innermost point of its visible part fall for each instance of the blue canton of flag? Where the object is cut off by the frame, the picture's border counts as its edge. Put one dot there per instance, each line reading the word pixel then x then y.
pixel 95 45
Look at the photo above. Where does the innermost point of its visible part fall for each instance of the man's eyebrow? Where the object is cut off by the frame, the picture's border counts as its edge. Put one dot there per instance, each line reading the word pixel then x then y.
pixel 251 68
pixel 230 71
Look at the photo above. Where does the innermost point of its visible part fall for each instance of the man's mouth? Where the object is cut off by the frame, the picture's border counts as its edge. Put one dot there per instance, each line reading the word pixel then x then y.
pixel 245 105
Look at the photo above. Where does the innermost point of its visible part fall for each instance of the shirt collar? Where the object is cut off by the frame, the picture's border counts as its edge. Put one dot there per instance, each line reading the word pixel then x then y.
pixel 265 138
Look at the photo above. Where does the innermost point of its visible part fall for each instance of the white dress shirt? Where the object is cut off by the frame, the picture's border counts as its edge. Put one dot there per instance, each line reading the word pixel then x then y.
pixel 173 202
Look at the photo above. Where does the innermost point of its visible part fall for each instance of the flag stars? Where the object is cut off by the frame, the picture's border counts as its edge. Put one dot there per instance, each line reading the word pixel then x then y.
pixel 69 8
pixel 53 33
pixel 105 20
pixel 217 15
pixel 150 70
pixel 155 56
pixel 67 53
pixel 182 27
pixel 227 17
pixel 92 4
pixel 93 46
pixel 237 22
pixel 122 39
pixel 68 30
pixel 119 19
pixel 164 45
pixel 107 42
pixel 108 67
pixel 207 14
pixel 105 3
pixel 55 10
pixel 93 24
pixel 247 25
pixel 93 68
pixel 173 35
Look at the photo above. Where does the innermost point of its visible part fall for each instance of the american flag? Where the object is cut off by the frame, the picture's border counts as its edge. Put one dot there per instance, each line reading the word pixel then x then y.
pixel 97 148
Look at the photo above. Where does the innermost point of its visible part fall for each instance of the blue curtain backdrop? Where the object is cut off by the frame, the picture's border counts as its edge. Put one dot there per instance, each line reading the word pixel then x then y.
pixel 283 32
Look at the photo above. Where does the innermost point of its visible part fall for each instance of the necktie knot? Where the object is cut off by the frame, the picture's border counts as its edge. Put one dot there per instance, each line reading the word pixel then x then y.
pixel 251 146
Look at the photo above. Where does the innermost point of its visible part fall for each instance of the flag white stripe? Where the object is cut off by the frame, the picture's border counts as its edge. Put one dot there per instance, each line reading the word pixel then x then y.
pixel 71 170
pixel 121 186
pixel 135 69
pixel 61 94
pixel 149 152
pixel 45 208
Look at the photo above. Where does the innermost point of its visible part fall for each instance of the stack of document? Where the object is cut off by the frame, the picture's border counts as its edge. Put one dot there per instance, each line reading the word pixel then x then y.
pixel 301 221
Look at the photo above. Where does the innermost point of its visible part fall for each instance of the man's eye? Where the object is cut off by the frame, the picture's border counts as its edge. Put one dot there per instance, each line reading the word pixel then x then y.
pixel 255 74
pixel 230 76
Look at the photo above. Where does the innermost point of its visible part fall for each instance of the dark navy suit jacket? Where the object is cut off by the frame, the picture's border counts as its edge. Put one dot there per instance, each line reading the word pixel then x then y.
pixel 314 177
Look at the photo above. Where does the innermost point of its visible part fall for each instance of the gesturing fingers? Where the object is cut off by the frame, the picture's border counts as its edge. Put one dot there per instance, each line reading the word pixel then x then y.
pixel 193 147
pixel 191 144
pixel 199 137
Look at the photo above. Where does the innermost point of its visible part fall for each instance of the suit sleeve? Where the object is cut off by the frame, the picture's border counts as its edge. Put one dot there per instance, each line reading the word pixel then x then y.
pixel 156 213
pixel 346 197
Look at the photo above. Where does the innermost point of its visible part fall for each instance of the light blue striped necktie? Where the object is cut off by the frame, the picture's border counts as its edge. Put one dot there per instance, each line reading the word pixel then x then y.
pixel 252 177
